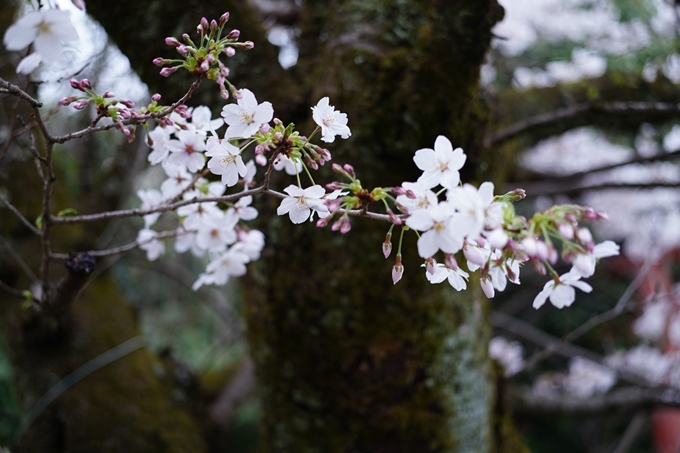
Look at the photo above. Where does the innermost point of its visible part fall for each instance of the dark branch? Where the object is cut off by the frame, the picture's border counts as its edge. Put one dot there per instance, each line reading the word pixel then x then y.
pixel 620 109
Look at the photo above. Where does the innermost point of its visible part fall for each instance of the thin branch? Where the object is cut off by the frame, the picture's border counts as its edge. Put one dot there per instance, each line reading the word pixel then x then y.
pixel 23 219
pixel 132 121
pixel 525 400
pixel 578 110
pixel 530 333
pixel 123 248
pixel 22 264
pixel 620 307
pixel 546 188
pixel 631 433
pixel 171 207
pixel 8 289
pixel 15 90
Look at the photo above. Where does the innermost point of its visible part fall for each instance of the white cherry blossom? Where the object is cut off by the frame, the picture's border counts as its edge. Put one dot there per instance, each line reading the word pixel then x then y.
pixel 160 137
pixel 225 160
pixel 250 242
pixel 584 263
pixel 246 116
pixel 286 163
pixel 471 205
pixel 217 232
pixel 149 242
pixel 301 202
pixel 243 210
pixel 424 197
pixel 187 151
pixel 45 30
pixel 440 227
pixel 440 165
pixel 561 293
pixel 231 263
pixel 151 198
pixel 457 277
pixel 332 122
pixel 178 180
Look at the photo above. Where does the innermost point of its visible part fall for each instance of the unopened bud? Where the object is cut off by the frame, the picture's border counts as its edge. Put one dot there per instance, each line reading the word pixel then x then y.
pixel 165 72
pixel 398 190
pixel 213 26
pixel 345 227
pixel 234 34
pixel 224 18
pixel 127 103
pixel 487 287
pixel 79 105
pixel 74 84
pixel 349 169
pixel 387 245
pixel 183 49
pixel 205 66
pixel 431 265
pixel 321 223
pixel 264 128
pixel 160 61
pixel 172 42
pixel 566 231
pixel 229 51
pixel 335 185
pixel 410 194
pixel 156 97
pixel 85 84
pixel 450 261
pixel 393 218
pixel 67 100
pixel 248 45
pixel 109 95
pixel 397 270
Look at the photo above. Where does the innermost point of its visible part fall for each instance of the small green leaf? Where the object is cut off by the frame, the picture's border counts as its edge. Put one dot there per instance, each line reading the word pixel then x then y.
pixel 67 212
pixel 39 222
pixel 28 300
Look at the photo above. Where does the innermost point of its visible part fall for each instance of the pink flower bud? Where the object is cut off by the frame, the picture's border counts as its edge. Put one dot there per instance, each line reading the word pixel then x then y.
pixel 335 185
pixel 394 219
pixel 85 84
pixel 67 100
pixel 584 236
pixel 205 66
pixel 338 169
pixel 127 103
pixel 248 45
pixel 109 95
pixel 224 93
pixel 210 58
pixel 124 113
pixel 159 61
pixel 450 261
pixel 321 223
pixel 156 97
pixel 265 128
pixel 487 287
pixel 184 50
pixel 473 255
pixel 411 195
pixel 397 270
pixel 172 42
pixel 278 136
pixel 431 265
pixel 186 38
pixel 387 245
pixel 397 190
pixel 345 227
pixel 333 205
pixel 74 84
pixel 165 72
pixel 529 246
pixel 233 35
pixel 349 169
pixel 566 231
pixel 80 4
pixel 229 51
pixel 223 19
pixel 79 105
pixel 213 26
pixel 542 251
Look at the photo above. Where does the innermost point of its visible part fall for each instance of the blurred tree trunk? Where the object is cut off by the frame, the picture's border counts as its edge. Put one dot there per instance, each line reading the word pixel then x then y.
pixel 346 361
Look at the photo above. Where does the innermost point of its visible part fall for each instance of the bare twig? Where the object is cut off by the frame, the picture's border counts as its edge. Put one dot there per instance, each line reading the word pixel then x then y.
pixel 526 400
pixel 8 289
pixel 23 219
pixel 17 91
pixel 632 431
pixel 578 110
pixel 132 121
pixel 24 267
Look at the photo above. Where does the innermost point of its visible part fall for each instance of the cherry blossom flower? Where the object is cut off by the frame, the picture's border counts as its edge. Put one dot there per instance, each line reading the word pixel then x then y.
pixel 45 30
pixel 456 277
pixel 160 137
pixel 149 242
pixel 187 151
pixel 218 232
pixel 246 117
pixel 226 161
pixel 440 165
pixel 471 205
pixel 151 198
pixel 584 263
pixel 187 241
pixel 289 165
pixel 243 210
pixel 561 293
pixel 423 197
pixel 332 122
pixel 301 202
pixel 197 214
pixel 440 227
pixel 231 263
pixel 250 242
pixel 178 180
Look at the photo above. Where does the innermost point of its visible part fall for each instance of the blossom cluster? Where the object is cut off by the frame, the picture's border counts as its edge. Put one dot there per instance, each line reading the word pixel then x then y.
pixel 460 228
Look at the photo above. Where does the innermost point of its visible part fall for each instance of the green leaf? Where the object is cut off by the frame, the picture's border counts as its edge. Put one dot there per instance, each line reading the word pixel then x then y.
pixel 67 212
pixel 39 222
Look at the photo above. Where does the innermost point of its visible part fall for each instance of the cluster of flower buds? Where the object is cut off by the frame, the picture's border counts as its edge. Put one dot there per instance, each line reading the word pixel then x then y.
pixel 203 58
pixel 106 105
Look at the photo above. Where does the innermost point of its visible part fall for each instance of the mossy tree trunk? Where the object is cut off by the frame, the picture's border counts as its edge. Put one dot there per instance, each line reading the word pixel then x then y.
pixel 346 361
